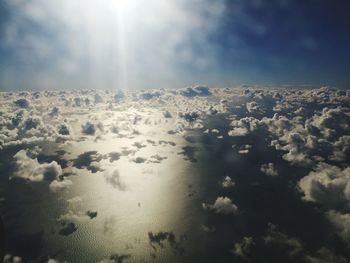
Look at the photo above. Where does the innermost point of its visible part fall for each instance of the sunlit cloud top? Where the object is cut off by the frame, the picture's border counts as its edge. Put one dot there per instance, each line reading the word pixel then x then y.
pixel 119 44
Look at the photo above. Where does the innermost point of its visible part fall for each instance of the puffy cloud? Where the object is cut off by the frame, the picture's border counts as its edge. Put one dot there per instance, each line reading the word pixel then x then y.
pixel 296 149
pixel 243 248
pixel 75 200
pixel 222 205
pixel 279 240
pixel 304 130
pixel 341 149
pixel 57 185
pixel 324 255
pixel 244 126
pixel 238 131
pixel 12 259
pixel 333 122
pixel 208 229
pixel 308 139
pixel 30 169
pixel 341 223
pixel 326 184
pixel 253 106
pixel 227 182
pixel 269 169
pixel 70 216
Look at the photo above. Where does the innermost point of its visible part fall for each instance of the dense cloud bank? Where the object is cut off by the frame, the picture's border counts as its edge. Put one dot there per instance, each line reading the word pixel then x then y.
pixel 306 128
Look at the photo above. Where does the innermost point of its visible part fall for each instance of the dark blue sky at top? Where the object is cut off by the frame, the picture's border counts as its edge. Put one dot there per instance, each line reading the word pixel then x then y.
pixel 253 42
pixel 296 41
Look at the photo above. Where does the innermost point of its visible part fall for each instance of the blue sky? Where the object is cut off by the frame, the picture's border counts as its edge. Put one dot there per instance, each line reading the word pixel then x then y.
pixel 133 44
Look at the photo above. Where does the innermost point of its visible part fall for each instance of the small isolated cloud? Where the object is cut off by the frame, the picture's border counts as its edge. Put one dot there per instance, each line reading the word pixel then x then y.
pixel 114 179
pixel 12 259
pixel 238 131
pixel 274 239
pixel 269 169
pixel 227 182
pixel 243 151
pixel 76 217
pixel 244 247
pixel 208 229
pixel 222 205
pixel 253 107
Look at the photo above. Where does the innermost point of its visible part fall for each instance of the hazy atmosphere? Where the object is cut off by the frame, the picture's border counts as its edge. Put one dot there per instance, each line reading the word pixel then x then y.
pixel 117 44
pixel 174 131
